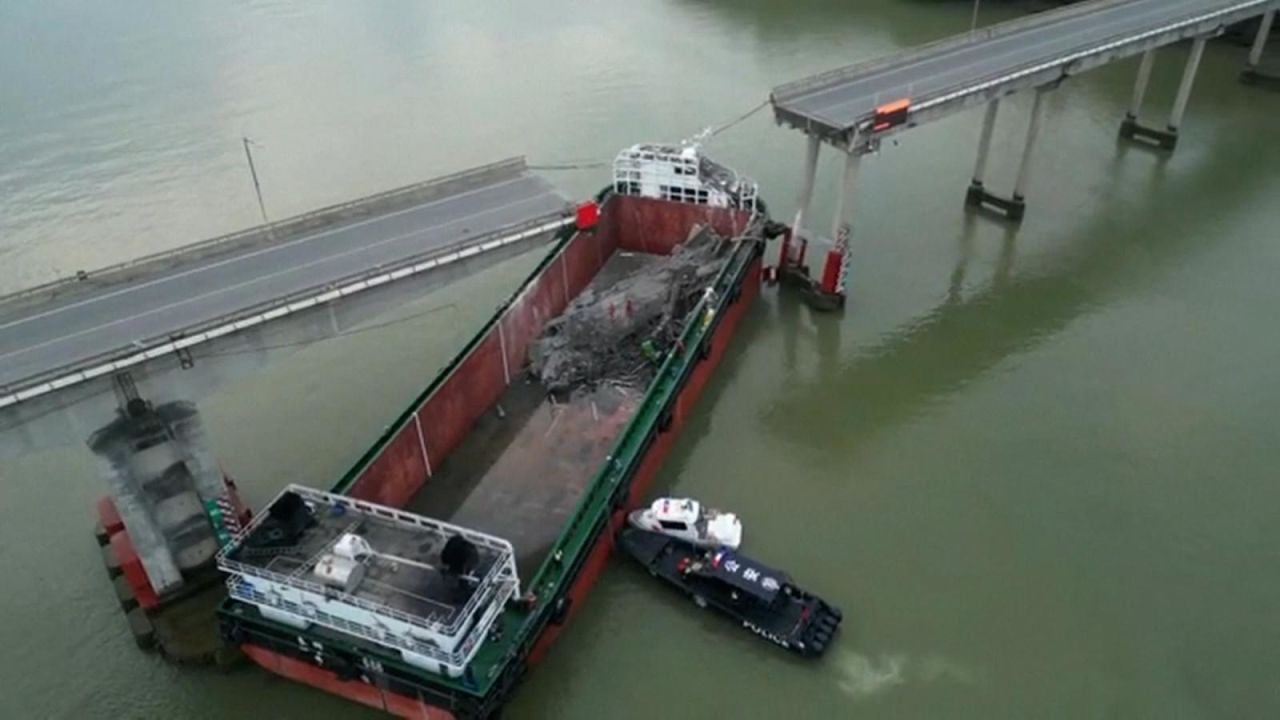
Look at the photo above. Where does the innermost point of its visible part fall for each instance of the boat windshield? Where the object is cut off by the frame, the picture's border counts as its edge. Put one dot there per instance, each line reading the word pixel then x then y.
pixel 705 516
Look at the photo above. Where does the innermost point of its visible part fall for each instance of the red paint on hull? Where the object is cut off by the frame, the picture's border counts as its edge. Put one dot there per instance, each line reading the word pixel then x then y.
pixel 134 574
pixel 109 516
pixel 355 690
pixel 130 564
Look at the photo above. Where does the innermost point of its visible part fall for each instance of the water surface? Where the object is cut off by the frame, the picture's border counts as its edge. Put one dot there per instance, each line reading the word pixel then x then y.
pixel 1034 467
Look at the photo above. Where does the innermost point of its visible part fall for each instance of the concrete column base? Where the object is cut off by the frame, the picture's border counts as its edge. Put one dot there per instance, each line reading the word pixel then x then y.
pixel 797 276
pixel 1131 129
pixel 1014 208
pixel 822 301
pixel 1256 76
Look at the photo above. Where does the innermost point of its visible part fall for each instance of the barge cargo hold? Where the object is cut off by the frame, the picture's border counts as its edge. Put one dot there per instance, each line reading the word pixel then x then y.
pixel 521 491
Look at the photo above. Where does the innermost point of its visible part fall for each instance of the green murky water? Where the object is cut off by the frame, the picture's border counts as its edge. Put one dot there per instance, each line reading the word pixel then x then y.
pixel 1036 468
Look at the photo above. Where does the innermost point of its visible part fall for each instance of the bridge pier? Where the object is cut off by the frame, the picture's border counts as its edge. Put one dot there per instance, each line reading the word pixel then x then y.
pixel 791 268
pixel 1015 207
pixel 976 195
pixel 1252 75
pixel 1166 139
pixel 832 285
pixel 1130 126
pixel 814 143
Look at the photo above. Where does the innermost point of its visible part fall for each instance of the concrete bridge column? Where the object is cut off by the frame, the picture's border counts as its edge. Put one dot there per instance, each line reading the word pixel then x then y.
pixel 1130 124
pixel 1024 168
pixel 828 293
pixel 1166 139
pixel 1014 207
pixel 1252 74
pixel 844 201
pixel 974 197
pixel 1184 88
pixel 806 188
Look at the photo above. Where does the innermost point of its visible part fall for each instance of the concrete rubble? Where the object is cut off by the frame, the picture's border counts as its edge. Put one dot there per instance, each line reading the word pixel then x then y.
pixel 620 332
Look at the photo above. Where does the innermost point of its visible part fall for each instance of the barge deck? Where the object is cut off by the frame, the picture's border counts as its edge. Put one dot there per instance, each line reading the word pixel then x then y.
pixel 524 466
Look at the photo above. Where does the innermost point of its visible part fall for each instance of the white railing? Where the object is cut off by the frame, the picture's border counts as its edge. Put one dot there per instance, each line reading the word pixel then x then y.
pixel 674 174
pixel 494 597
pixel 502 567
pixel 112 361
pixel 1113 43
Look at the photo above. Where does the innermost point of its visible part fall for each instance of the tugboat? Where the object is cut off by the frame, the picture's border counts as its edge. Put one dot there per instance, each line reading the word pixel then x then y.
pixel 691 521
pixel 765 601
pixel 438 570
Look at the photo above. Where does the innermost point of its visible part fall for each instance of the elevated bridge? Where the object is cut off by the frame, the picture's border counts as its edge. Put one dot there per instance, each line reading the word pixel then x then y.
pixel 97 324
pixel 853 108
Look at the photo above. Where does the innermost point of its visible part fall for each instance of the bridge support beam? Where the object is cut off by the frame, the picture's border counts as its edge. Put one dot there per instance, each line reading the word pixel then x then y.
pixel 1184 88
pixel 828 293
pixel 1024 168
pixel 1166 139
pixel 791 268
pixel 1014 208
pixel 1252 74
pixel 1130 126
pixel 806 187
pixel 975 195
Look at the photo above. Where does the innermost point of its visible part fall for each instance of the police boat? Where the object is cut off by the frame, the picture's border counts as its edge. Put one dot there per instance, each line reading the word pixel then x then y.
pixel 761 599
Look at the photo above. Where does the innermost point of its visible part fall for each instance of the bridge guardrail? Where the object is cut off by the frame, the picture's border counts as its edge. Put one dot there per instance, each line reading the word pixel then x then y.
pixel 274 232
pixel 157 346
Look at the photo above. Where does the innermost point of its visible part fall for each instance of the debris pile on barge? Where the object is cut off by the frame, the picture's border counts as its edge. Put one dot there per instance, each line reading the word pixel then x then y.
pixel 620 332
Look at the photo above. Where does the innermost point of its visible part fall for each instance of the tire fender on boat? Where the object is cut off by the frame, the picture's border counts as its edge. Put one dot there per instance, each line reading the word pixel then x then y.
pixel 561 610
pixel 664 420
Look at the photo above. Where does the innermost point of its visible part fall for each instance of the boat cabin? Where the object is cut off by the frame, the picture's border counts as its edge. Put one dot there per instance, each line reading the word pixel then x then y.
pixel 677 516
pixel 427 589
pixel 683 174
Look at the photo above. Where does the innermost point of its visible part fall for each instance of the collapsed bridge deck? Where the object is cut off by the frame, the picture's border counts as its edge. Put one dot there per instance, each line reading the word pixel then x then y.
pixel 71 331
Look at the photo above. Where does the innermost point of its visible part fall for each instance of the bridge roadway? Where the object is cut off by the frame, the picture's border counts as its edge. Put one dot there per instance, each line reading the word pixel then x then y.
pixel 969 69
pixel 70 332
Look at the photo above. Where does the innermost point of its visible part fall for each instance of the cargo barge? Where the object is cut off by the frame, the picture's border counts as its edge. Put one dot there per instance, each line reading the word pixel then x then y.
pixel 446 560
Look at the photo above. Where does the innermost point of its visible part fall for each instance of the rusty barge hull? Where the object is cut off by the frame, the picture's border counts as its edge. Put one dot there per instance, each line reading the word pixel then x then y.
pixel 566 533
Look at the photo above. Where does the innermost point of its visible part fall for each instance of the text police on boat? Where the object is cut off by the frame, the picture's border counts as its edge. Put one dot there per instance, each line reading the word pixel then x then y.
pixel 762 599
